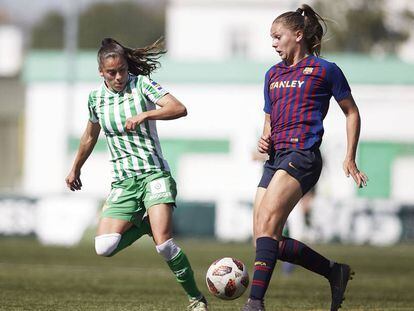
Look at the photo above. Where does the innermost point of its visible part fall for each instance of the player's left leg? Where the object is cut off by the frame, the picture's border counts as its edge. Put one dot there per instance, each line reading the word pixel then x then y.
pixel 298 253
pixel 160 216
pixel 338 275
pixel 287 267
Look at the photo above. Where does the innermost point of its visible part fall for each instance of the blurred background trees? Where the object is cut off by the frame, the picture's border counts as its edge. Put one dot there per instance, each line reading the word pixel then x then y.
pixel 52 25
pixel 362 27
pixel 133 24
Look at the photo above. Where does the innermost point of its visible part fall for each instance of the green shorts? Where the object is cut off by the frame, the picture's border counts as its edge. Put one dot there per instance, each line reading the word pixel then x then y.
pixel 130 198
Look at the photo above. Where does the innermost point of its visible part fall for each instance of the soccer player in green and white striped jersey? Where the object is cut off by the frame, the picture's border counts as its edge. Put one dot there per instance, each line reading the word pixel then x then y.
pixel 124 107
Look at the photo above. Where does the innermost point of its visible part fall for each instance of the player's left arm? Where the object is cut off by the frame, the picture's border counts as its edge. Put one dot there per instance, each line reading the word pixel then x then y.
pixel 353 126
pixel 171 108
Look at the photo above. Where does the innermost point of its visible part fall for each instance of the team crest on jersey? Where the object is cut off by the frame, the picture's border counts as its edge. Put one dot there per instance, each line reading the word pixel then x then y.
pixel 156 85
pixel 307 70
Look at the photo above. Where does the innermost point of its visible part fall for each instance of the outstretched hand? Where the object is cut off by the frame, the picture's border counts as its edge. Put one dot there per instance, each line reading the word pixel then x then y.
pixel 73 181
pixel 350 168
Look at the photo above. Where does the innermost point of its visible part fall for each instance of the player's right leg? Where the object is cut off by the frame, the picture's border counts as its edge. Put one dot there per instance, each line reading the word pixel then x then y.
pixel 109 235
pixel 281 196
pixel 113 235
pixel 121 222
pixel 260 192
pixel 293 251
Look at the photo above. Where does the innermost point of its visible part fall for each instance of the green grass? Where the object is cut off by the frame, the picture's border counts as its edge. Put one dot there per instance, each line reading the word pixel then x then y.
pixel 35 277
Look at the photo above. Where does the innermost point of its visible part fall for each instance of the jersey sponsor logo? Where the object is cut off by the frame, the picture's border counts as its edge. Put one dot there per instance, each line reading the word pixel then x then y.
pixel 158 186
pixel 160 196
pixel 286 84
pixel 158 189
pixel 294 140
pixel 307 70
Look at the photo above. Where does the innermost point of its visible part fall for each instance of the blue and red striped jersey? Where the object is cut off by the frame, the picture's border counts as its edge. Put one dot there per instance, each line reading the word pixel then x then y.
pixel 297 99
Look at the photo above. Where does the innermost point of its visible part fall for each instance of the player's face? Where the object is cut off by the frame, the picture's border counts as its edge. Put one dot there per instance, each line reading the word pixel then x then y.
pixel 114 70
pixel 285 41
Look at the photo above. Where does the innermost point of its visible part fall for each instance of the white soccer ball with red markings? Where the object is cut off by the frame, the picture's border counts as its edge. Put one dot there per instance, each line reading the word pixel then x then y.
pixel 227 278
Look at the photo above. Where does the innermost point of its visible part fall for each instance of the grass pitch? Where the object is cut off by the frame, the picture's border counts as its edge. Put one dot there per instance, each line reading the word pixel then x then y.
pixel 35 277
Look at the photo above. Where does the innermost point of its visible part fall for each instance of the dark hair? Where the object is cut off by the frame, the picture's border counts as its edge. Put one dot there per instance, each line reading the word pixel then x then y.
pixel 141 61
pixel 307 20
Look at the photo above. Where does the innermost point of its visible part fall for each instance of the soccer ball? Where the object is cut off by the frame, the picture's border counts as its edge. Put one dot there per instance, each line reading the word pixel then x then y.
pixel 227 278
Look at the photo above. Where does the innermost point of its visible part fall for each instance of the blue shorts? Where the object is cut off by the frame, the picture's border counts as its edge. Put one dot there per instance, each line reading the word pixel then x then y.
pixel 304 165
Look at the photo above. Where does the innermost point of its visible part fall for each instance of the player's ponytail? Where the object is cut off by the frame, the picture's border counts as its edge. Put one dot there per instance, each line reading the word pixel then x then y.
pixel 307 20
pixel 141 61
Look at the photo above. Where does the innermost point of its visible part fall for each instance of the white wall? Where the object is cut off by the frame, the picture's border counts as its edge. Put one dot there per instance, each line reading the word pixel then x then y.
pixel 206 30
pixel 11 52
pixel 45 138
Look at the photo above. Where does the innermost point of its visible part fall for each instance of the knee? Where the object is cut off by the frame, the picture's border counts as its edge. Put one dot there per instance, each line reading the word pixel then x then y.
pixel 168 250
pixel 269 224
pixel 105 244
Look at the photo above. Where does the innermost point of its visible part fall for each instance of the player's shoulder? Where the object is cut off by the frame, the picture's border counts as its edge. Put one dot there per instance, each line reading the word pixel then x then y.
pixel 146 84
pixel 139 79
pixel 273 69
pixel 94 94
pixel 324 63
pixel 141 82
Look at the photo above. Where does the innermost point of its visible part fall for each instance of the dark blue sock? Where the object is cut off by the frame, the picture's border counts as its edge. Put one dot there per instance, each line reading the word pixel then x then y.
pixel 266 256
pixel 296 252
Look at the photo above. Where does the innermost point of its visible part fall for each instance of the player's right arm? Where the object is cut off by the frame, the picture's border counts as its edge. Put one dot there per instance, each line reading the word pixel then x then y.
pixel 263 145
pixel 86 145
pixel 264 141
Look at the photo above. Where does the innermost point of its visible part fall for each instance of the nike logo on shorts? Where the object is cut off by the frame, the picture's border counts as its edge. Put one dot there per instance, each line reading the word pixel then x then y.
pixel 292 166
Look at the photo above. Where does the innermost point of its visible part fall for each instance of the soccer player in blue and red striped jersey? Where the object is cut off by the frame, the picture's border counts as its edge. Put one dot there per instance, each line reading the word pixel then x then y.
pixel 297 92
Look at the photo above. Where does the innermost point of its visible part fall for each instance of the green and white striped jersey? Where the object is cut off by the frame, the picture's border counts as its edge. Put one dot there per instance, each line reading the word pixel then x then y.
pixel 134 152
